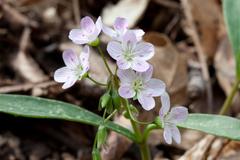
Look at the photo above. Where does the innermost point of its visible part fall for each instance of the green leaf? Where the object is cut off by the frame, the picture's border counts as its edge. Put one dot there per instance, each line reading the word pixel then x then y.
pixel 36 107
pixel 218 125
pixel 231 9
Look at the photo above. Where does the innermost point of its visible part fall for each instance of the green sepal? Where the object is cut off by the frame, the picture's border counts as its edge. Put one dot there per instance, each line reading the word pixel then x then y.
pixel 95 43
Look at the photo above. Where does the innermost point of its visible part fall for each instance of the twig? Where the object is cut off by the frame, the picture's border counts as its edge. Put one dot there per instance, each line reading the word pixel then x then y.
pixel 26 65
pixel 27 86
pixel 76 11
pixel 16 17
pixel 204 67
pixel 168 3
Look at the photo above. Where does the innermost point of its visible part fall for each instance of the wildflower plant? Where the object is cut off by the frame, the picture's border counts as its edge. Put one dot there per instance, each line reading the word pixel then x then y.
pixel 131 80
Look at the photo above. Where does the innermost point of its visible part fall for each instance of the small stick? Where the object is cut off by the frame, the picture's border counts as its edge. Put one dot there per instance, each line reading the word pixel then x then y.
pixel 27 86
pixel 16 17
pixel 76 11
pixel 168 3
pixel 204 67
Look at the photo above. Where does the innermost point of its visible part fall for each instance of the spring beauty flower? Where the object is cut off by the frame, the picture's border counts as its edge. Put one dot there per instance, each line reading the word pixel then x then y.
pixel 88 31
pixel 76 67
pixel 171 119
pixel 120 27
pixel 140 85
pixel 131 53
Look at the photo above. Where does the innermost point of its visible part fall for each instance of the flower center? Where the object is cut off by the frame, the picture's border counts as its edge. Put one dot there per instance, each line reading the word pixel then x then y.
pixel 78 70
pixel 128 53
pixel 138 85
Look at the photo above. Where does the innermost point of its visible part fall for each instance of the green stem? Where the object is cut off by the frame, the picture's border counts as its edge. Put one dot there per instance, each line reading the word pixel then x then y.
pixel 229 99
pixel 111 115
pixel 96 82
pixel 144 149
pixel 104 59
pixel 145 152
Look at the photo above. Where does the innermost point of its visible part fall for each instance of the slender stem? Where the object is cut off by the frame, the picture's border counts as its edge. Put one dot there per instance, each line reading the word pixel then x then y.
pixel 147 130
pixel 96 82
pixel 144 149
pixel 145 152
pixel 104 59
pixel 111 115
pixel 228 101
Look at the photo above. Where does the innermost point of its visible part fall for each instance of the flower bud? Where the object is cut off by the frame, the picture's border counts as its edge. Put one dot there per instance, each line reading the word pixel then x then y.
pixel 116 99
pixel 104 100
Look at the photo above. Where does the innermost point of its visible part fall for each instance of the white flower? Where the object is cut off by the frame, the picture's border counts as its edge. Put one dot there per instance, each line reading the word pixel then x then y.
pixel 88 32
pixel 76 67
pixel 131 53
pixel 120 28
pixel 170 119
pixel 140 85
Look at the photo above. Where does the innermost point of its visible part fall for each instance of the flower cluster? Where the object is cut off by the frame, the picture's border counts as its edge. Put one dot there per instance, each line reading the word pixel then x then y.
pixel 134 72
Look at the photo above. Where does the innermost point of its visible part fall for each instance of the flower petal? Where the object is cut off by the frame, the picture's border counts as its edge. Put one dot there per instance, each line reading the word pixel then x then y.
pixel 78 36
pixel 165 100
pixel 176 134
pixel 115 50
pixel 120 24
pixel 70 82
pixel 139 33
pixel 62 74
pixel 155 87
pixel 129 37
pixel 123 64
pixel 99 25
pixel 70 58
pixel 109 31
pixel 126 91
pixel 87 25
pixel 144 51
pixel 126 76
pixel 139 65
pixel 167 134
pixel 146 76
pixel 84 56
pixel 146 101
pixel 178 114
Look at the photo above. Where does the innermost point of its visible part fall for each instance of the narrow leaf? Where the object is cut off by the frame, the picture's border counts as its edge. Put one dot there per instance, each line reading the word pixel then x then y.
pixel 218 125
pixel 231 15
pixel 35 107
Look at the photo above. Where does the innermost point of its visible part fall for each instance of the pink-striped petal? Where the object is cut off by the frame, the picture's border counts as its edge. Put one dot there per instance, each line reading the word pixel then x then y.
pixel 115 50
pixel 61 75
pixel 167 134
pixel 120 24
pixel 70 82
pixel 156 87
pixel 123 64
pixel 165 100
pixel 126 76
pixel 139 65
pixel 176 134
pixel 78 37
pixel 70 58
pixel 177 115
pixel 144 51
pixel 84 56
pixel 146 101
pixel 87 25
pixel 126 91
